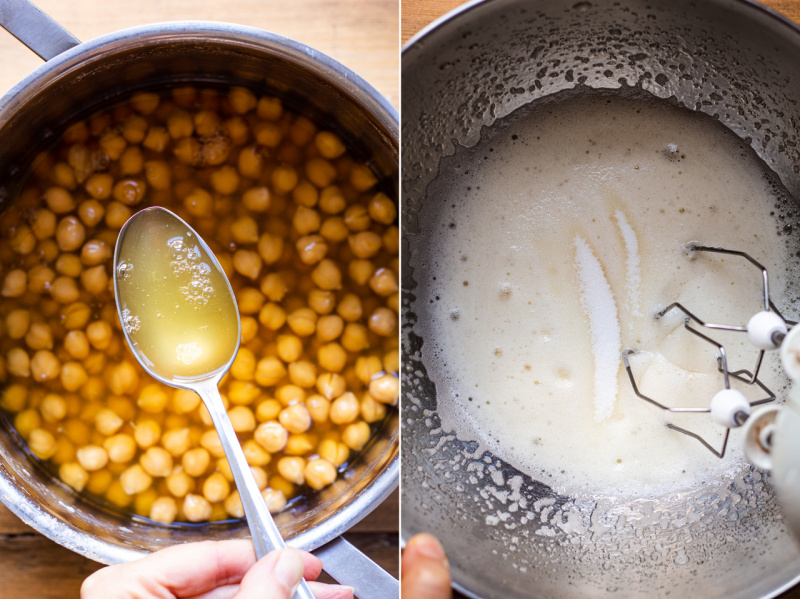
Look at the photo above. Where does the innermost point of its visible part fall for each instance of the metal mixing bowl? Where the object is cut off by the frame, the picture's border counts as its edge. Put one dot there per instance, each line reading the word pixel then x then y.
pixel 98 73
pixel 734 60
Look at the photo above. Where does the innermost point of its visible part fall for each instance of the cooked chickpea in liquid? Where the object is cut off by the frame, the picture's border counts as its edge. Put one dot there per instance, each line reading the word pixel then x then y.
pixel 309 242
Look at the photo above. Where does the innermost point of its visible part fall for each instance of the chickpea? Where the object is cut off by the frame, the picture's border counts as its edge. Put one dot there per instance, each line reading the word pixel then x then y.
pixel 295 418
pixel 250 300
pixel 131 161
pixel 135 480
pixel 26 421
pixel 292 468
pixel 306 220
pixel 53 408
pixel 335 452
pixel 354 337
pixel 270 247
pixel 164 509
pixel 177 442
pixel 367 367
pixel 17 323
pixel 383 322
pixel 14 398
pixel 249 328
pixel 69 265
pixel 243 393
pixel 45 365
pixel 225 180
pixel 385 388
pixel 284 179
pixel 255 454
pixel 123 378
pixel 210 441
pixel 117 215
pixel 269 371
pixel 157 173
pixel 319 473
pixel 242 419
pixel 233 505
pixel 256 199
pixel 331 385
pixel 329 144
pixel 157 462
pixel 95 279
pixel 333 229
pixel 70 234
pixel 332 201
pixel 302 321
pixel 271 436
pixel 92 457
pixel 305 194
pixel 247 263
pixel 362 178
pixel 356 435
pixel 243 367
pixel 74 475
pixel 75 315
pixel 77 344
pixel 382 209
pixel 18 362
pixel 179 483
pixel 99 186
pixel 59 200
pixel 22 240
pixel 15 284
pixel 129 191
pixel 40 278
pixel 94 252
pixel 196 508
pixel 268 410
pixel 250 162
pixel 195 461
pixel 269 108
pixel 329 327
pixel 365 244
pixel 91 212
pixel 320 172
pixel 356 218
pixel 311 248
pixel 290 348
pixel 371 410
pixel 107 421
pixel 42 443
pixel 274 286
pixel 327 275
pixel 321 301
pixel 302 373
pixel 344 409
pixel 274 498
pixel 332 357
pixel 384 282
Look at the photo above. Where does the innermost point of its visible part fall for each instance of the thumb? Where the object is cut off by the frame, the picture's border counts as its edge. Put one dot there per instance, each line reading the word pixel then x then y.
pixel 276 575
pixel 425 570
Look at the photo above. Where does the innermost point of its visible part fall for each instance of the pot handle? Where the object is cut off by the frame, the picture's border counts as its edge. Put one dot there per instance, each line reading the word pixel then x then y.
pixel 350 567
pixel 34 28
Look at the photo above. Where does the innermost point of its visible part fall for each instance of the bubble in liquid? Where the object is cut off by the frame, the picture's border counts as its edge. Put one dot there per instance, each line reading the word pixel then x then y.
pixel 130 322
pixel 188 352
pixel 124 269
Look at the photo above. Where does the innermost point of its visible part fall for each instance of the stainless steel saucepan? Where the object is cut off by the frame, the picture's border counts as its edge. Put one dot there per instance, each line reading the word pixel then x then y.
pixel 79 78
pixel 732 59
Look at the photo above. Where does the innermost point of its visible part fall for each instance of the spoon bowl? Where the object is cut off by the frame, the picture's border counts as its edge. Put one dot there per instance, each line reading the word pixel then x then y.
pixel 181 322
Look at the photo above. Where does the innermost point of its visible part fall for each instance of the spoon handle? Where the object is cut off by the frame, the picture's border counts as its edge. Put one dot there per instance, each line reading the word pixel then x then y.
pixel 265 534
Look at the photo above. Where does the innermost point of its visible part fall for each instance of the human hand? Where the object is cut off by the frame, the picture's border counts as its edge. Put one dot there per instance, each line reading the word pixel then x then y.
pixel 212 570
pixel 425 569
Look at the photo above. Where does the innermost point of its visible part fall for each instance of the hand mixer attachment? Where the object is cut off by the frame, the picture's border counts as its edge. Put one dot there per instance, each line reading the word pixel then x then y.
pixel 765 330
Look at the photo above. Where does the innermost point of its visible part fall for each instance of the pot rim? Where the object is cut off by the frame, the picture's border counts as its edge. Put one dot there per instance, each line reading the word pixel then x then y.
pixel 244 36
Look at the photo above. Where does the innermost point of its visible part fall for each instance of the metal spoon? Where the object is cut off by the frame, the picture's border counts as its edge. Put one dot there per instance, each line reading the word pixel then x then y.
pixel 181 321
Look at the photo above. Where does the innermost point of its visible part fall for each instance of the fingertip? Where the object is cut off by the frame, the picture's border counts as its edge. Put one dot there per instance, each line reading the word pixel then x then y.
pixel 426 545
pixel 289 567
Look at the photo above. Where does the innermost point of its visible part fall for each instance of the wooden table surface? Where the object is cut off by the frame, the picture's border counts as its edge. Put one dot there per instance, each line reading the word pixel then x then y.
pixel 416 14
pixel 361 34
